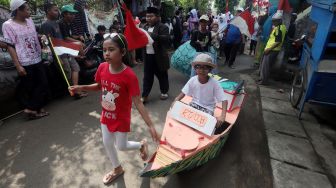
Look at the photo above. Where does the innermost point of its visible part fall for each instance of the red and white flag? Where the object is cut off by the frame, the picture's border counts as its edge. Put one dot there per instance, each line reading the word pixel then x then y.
pixel 245 23
pixel 261 3
pixel 64 47
pixel 134 36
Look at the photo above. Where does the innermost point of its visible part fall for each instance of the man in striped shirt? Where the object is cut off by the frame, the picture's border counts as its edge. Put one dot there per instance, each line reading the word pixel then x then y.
pixel 80 26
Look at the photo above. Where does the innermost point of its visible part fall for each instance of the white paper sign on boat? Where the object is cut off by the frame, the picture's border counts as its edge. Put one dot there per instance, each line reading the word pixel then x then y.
pixel 194 118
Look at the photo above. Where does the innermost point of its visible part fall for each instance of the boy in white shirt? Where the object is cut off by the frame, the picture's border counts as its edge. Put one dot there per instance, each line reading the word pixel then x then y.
pixel 204 90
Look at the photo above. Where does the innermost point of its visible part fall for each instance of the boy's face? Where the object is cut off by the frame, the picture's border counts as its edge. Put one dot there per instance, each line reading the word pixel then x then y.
pixel 215 28
pixel 203 24
pixel 53 12
pixel 101 32
pixel 151 19
pixel 69 17
pixel 202 70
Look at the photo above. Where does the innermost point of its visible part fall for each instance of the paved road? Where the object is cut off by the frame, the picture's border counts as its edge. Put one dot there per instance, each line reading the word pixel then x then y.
pixel 65 149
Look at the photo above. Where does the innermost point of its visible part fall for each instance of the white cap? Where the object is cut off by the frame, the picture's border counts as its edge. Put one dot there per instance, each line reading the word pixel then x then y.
pixel 204 17
pixel 277 15
pixel 203 59
pixel 15 4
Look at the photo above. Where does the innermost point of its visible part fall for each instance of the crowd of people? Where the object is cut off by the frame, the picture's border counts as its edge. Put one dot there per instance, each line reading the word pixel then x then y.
pixel 206 31
pixel 28 47
pixel 114 78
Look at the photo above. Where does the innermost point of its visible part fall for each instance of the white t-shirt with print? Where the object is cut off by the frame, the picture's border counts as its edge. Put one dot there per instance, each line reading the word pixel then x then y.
pixel 205 95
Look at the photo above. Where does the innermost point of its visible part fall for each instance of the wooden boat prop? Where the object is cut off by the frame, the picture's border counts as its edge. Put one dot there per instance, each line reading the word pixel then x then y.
pixel 188 138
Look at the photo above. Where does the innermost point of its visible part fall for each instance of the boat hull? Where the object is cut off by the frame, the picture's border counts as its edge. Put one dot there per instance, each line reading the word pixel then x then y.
pixel 189 140
pixel 196 160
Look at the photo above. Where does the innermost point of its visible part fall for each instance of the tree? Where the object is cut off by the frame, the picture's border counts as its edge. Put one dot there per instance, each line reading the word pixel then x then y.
pixel 221 5
pixel 200 5
pixel 4 3
pixel 167 9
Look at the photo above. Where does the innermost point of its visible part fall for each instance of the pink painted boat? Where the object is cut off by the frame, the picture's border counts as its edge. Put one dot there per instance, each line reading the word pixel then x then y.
pixel 189 138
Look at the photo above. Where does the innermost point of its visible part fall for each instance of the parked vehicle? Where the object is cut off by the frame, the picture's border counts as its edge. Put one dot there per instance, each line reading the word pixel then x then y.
pixel 315 81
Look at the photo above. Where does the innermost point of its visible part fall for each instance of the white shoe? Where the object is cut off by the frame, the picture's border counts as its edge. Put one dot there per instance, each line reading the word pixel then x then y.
pixel 164 96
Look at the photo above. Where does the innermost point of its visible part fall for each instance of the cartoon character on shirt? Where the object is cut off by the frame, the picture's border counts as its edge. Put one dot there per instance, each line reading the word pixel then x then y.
pixel 108 99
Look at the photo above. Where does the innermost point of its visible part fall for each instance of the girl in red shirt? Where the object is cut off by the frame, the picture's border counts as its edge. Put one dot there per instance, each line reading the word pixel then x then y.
pixel 119 86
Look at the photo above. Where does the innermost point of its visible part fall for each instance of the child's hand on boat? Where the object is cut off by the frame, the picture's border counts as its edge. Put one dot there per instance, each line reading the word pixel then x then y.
pixel 154 134
pixel 220 121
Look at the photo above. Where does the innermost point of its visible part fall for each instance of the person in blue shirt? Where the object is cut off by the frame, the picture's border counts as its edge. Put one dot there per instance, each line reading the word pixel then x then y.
pixel 233 38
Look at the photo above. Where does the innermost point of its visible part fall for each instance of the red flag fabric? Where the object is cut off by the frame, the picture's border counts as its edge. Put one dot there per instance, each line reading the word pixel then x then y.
pixel 284 5
pixel 134 36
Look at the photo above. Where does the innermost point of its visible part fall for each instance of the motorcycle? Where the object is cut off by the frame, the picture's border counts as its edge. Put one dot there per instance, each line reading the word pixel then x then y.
pixel 295 50
pixel 89 62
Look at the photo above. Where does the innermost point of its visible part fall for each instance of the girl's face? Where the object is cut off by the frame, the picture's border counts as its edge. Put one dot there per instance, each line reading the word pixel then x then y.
pixel 215 28
pixel 112 53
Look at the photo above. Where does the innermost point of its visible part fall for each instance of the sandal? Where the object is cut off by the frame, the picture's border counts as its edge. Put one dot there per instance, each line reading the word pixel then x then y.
pixel 28 112
pixel 80 95
pixel 111 176
pixel 39 115
pixel 44 112
pixel 144 150
pixel 83 94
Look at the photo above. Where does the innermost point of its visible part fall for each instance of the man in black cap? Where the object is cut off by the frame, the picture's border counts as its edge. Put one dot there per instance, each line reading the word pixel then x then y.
pixel 156 56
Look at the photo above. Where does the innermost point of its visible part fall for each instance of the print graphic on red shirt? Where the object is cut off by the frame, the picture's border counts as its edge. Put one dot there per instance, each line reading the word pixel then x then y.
pixel 108 100
pixel 116 100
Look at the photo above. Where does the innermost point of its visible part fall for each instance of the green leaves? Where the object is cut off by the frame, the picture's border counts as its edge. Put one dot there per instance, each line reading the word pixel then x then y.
pixel 201 5
pixel 221 4
pixel 4 3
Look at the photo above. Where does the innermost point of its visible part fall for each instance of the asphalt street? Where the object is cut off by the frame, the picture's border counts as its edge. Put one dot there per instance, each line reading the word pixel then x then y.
pixel 65 149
